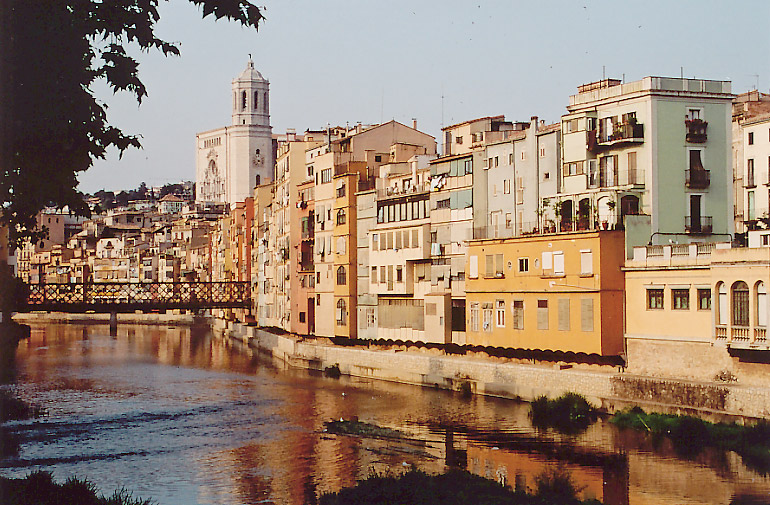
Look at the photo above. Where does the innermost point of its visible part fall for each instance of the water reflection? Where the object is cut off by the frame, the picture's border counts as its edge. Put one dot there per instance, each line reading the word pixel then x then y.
pixel 177 415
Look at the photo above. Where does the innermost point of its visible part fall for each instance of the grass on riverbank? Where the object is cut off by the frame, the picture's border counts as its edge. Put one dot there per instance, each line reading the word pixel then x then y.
pixel 570 413
pixel 14 409
pixel 456 487
pixel 39 488
pixel 690 434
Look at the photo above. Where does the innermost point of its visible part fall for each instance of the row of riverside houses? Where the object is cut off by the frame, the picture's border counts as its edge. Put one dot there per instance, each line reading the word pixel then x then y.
pixel 607 233
pixel 523 234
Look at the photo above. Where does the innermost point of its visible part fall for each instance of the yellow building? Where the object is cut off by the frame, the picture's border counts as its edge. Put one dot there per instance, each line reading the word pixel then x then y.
pixel 345 249
pixel 561 292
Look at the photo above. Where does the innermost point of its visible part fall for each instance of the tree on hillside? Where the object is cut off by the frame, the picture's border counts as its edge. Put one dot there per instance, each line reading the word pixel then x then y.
pixel 51 125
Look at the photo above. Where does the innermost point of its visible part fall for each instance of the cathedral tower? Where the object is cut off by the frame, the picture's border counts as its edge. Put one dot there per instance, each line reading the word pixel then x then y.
pixel 231 161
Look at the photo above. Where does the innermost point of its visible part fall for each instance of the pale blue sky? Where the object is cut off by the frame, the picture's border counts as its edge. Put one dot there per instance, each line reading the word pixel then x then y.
pixel 338 61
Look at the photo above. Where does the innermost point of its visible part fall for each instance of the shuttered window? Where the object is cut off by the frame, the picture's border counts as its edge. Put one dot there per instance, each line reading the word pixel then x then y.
pixel 473 267
pixel 490 265
pixel 564 314
pixel 518 314
pixel 499 260
pixel 547 261
pixel 558 263
pixel 542 314
pixel 586 262
pixel 587 314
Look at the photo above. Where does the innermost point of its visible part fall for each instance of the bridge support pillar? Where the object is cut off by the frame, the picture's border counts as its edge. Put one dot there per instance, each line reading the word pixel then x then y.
pixel 113 323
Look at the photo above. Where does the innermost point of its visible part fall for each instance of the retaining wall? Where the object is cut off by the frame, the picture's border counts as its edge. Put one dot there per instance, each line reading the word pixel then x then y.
pixel 610 390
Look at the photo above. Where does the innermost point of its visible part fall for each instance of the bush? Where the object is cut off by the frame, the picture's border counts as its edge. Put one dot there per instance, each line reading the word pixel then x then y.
pixel 570 413
pixel 39 488
pixel 333 371
pixel 556 483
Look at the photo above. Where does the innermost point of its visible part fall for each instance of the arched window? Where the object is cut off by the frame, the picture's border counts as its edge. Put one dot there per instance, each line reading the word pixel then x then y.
pixel 740 300
pixel 721 291
pixel 257 179
pixel 265 103
pixel 243 100
pixel 256 99
pixel 341 276
pixel 341 216
pixel 342 313
pixel 761 308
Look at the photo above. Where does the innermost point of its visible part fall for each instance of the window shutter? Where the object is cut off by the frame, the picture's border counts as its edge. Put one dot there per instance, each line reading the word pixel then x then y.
pixel 490 259
pixel 474 267
pixel 542 314
pixel 499 264
pixel 558 263
pixel 564 314
pixel 586 263
pixel 587 314
pixel 547 261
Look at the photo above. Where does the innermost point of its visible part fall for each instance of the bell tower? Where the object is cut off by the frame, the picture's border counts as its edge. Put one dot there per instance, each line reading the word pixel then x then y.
pixel 251 98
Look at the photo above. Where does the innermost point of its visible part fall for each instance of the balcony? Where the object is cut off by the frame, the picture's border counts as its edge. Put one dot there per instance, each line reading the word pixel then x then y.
pixel 696 131
pixel 630 132
pixel 698 225
pixel 697 179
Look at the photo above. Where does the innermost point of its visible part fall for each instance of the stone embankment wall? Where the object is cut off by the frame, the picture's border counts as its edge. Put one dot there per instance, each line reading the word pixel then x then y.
pixel 610 389
pixel 137 318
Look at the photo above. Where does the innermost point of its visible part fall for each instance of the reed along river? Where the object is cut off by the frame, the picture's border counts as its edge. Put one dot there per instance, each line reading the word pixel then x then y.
pixel 180 416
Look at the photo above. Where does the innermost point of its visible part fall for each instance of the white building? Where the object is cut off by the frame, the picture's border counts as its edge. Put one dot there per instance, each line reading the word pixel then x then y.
pixel 232 161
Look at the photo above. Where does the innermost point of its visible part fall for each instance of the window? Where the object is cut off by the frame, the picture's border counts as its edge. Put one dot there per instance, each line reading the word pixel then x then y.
pixel 373 279
pixel 474 322
pixel 341 276
pixel 695 160
pixel 751 138
pixel 473 268
pixel 243 100
pixel 415 238
pixel 458 140
pixel 693 113
pixel 519 190
pixel 326 175
pixel 680 299
pixel 507 187
pixel 542 152
pixel 740 302
pixel 375 242
pixel 563 314
pixel 487 315
pixel 750 172
pixel 518 314
pixel 761 308
pixel 490 265
pixel 341 216
pixel 704 299
pixel 468 166
pixel 399 273
pixel 654 299
pixel 442 204
pixel 500 313
pixel 523 264
pixel 497 161
pixel 558 263
pixel 377 158
pixel 341 190
pixel 586 262
pixel 342 314
pixel 542 314
pixel 499 261
pixel 587 314
pixel 750 202
pixel 508 220
pixel 722 303
pixel 399 244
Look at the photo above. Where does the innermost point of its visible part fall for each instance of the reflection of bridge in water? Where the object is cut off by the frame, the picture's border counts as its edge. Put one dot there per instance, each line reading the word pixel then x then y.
pixel 115 297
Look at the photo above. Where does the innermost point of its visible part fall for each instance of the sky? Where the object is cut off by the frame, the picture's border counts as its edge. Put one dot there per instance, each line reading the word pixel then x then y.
pixel 439 62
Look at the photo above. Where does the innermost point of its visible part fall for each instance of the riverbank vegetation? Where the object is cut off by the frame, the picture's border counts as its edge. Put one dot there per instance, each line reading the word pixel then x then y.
pixel 570 413
pixel 456 487
pixel 39 488
pixel 690 434
pixel 356 427
pixel 14 409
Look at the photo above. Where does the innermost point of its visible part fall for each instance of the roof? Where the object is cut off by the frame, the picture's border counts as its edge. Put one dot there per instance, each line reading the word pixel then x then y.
pixel 549 128
pixel 502 116
pixel 251 74
pixel 171 198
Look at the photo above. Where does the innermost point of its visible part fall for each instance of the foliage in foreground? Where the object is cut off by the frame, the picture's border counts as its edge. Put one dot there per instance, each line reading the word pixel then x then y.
pixel 455 487
pixel 690 434
pixel 52 126
pixel 570 413
pixel 13 409
pixel 39 488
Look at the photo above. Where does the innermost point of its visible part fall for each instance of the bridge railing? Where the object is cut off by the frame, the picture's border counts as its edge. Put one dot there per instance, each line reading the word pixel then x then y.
pixel 103 296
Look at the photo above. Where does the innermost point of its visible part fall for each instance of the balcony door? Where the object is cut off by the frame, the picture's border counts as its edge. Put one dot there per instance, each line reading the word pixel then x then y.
pixel 695 214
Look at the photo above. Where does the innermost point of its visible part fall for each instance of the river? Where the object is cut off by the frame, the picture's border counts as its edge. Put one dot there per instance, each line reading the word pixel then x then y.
pixel 180 416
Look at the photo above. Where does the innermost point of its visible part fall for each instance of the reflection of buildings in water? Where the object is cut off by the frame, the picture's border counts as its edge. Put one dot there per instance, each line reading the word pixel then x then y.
pixel 605 481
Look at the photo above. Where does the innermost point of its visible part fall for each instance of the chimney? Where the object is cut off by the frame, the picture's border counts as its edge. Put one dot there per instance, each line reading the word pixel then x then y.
pixel 291 134
pixel 414 123
pixel 533 121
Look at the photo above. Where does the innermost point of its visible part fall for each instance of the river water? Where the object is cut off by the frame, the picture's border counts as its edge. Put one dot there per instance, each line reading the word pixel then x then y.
pixel 180 416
